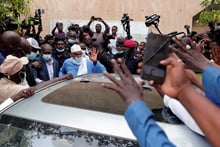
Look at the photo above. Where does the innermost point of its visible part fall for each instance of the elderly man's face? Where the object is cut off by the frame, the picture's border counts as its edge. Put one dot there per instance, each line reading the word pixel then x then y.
pixel 76 54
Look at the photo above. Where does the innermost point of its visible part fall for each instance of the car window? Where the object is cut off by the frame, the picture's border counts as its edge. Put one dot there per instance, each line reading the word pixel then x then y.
pixel 25 133
pixel 92 96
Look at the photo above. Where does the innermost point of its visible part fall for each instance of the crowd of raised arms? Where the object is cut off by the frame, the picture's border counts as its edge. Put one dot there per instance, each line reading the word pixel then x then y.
pixel 29 62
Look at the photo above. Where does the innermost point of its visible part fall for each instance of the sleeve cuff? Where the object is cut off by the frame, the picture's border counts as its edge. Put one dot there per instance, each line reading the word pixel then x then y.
pixel 6 103
pixel 37 80
pixel 137 109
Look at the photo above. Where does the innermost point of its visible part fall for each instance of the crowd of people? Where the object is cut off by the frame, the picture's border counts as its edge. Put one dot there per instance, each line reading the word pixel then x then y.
pixel 60 55
pixel 28 63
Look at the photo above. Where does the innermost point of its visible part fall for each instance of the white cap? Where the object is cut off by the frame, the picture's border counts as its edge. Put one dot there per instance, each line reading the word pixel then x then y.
pixel 75 48
pixel 33 43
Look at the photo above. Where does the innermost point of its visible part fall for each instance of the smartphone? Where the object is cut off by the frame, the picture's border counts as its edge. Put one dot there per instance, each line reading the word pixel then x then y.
pixel 156 49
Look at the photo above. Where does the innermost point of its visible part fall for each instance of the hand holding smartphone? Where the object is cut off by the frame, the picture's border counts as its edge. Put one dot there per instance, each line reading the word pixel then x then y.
pixel 156 49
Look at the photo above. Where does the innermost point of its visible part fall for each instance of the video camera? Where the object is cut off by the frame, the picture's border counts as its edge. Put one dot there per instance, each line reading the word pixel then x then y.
pixel 153 20
pixel 125 20
pixel 32 21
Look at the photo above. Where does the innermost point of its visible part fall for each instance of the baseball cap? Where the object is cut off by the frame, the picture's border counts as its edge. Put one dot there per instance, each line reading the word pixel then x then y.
pixel 130 43
pixel 75 48
pixel 120 41
pixel 11 65
pixel 33 43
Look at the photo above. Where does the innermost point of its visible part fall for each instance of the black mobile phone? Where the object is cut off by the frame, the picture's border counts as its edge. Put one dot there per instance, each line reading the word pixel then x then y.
pixel 156 49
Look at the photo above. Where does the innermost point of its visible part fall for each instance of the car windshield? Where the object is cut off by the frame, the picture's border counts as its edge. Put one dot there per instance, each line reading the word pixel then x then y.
pixel 25 133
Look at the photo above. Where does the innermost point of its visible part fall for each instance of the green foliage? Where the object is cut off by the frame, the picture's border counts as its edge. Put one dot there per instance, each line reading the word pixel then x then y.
pixel 211 12
pixel 13 9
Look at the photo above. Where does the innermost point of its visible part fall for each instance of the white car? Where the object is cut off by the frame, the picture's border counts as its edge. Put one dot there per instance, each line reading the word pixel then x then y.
pixel 81 113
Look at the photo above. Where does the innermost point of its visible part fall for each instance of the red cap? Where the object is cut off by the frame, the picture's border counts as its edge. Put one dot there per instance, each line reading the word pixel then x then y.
pixel 85 34
pixel 130 43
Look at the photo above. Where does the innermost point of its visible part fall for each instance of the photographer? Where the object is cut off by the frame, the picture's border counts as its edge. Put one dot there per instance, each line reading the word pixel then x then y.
pixel 99 36
pixel 60 33
pixel 28 27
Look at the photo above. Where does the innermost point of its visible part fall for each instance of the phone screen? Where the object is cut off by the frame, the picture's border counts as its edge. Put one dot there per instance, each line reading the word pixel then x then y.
pixel 156 49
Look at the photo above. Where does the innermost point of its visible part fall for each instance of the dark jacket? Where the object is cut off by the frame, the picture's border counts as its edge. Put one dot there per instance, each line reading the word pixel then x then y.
pixel 132 62
pixel 29 75
pixel 61 57
pixel 43 74
pixel 105 59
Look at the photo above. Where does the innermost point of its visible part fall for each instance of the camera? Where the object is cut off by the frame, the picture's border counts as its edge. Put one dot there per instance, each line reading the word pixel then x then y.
pixel 32 21
pixel 125 20
pixel 152 20
pixel 95 18
pixel 37 16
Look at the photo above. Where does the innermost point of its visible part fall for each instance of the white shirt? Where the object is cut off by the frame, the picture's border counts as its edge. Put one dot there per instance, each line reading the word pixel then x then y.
pixel 112 45
pixel 6 103
pixel 50 69
pixel 180 111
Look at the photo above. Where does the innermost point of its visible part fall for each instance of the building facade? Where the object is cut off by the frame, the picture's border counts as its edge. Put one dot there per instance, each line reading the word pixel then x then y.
pixel 174 14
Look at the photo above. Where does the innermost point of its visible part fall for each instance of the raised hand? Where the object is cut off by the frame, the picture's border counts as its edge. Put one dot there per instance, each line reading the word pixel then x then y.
pixel 215 52
pixel 126 86
pixel 93 55
pixel 176 78
pixel 191 57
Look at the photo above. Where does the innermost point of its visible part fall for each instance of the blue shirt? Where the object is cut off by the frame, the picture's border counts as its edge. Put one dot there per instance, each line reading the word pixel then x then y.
pixel 212 98
pixel 70 67
pixel 141 122
pixel 211 83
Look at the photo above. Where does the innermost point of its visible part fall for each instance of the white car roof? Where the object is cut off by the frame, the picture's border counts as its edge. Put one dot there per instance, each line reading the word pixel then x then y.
pixel 35 108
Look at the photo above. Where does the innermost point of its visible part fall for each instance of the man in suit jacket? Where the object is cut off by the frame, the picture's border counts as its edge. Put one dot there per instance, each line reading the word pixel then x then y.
pixel 50 66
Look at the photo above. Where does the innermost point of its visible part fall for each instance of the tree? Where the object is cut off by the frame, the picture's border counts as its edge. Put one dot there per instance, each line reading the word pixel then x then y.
pixel 211 12
pixel 11 10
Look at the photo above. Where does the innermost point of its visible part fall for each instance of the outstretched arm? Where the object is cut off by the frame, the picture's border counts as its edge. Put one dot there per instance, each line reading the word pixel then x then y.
pixel 203 111
pixel 24 93
pixel 90 21
pixel 107 28
pixel 45 83
pixel 138 115
pixel 53 30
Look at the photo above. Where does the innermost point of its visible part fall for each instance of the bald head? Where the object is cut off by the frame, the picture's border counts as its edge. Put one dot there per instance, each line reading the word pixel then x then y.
pixel 25 46
pixel 46 48
pixel 10 42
